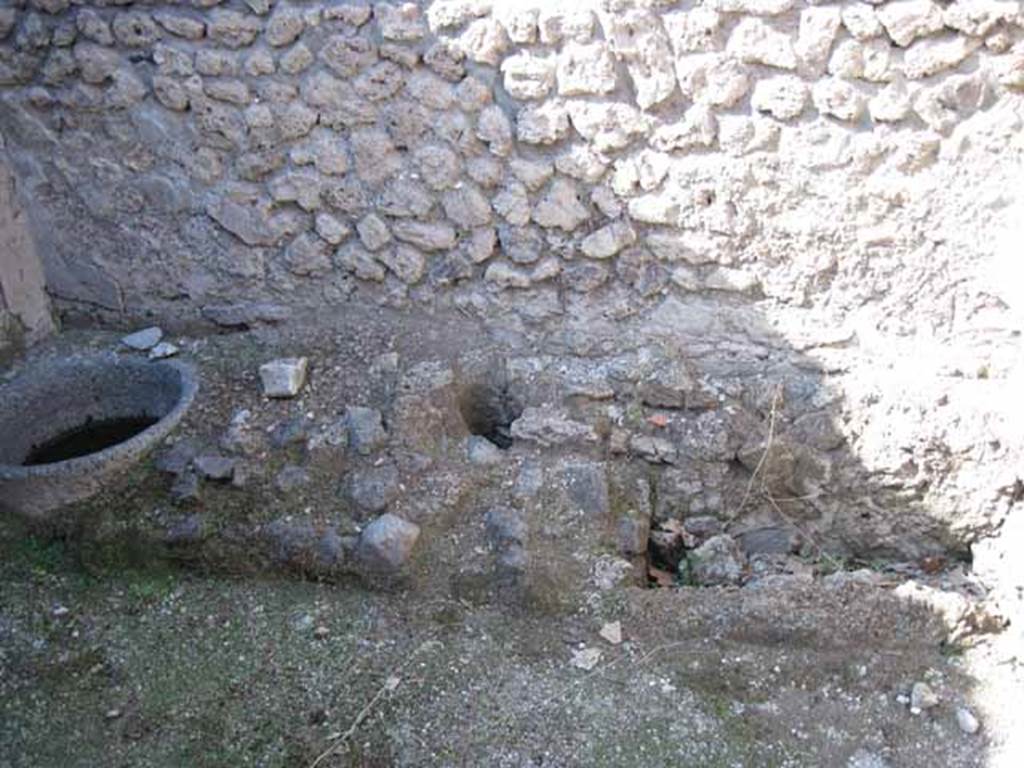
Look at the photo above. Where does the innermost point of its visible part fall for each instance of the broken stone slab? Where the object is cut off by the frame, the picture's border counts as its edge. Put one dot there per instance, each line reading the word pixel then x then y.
pixel 387 543
pixel 143 340
pixel 284 377
pixel 717 562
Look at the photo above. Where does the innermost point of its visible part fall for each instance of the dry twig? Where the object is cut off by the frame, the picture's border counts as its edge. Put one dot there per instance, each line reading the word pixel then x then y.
pixel 390 684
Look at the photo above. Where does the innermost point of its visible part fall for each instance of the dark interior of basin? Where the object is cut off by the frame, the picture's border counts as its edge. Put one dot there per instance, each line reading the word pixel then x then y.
pixel 91 437
pixel 77 407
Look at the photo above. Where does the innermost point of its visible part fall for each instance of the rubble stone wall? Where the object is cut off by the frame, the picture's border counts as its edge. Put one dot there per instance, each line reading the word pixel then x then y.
pixel 827 182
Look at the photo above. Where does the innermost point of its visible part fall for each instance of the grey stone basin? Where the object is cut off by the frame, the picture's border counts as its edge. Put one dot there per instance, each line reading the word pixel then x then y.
pixel 70 426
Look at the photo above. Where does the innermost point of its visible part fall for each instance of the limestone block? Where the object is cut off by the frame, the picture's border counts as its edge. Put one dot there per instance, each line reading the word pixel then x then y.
pixel 639 40
pixel 427 236
pixel 527 76
pixel 754 41
pixel 405 262
pixel 135 29
pixel 438 165
pixel 715 79
pixel 308 255
pixel 399 21
pixel 907 20
pixel 373 232
pixel 484 41
pixel 284 377
pixel 608 126
pixel 608 241
pixel 782 96
pixel 466 206
pixel 861 22
pixel 232 29
pixel 838 98
pixel 586 69
pixel 581 163
pixel 178 24
pixel 560 207
pixel 546 123
pixel 698 128
pixel 565 23
pixel 818 28
pixel 937 54
pixel 513 204
pixel 284 27
pixel 697 29
pixel 493 128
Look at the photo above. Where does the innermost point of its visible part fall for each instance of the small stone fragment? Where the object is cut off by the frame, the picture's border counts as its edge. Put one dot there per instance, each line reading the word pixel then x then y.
pixel 284 377
pixel 612 632
pixel 163 350
pixel 585 658
pixel 142 340
pixel 967 721
pixel 922 697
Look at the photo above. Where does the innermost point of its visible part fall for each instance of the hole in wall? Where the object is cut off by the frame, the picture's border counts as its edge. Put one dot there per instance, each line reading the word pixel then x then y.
pixel 488 410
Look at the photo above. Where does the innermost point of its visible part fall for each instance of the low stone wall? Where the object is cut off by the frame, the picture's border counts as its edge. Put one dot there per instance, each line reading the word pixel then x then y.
pixel 760 185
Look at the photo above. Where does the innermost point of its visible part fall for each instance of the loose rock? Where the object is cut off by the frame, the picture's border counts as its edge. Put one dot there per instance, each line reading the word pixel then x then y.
pixel 285 377
pixel 387 543
pixel 144 339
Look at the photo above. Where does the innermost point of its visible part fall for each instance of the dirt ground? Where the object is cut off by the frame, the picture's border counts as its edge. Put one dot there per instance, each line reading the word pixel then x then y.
pixel 148 669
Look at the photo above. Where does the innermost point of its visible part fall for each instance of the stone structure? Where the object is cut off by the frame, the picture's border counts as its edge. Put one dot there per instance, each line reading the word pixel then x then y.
pixel 24 307
pixel 808 198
